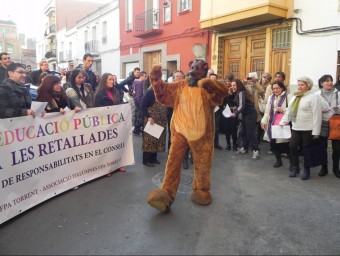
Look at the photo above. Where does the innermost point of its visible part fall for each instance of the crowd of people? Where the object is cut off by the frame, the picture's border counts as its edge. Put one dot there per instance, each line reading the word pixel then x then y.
pixel 257 106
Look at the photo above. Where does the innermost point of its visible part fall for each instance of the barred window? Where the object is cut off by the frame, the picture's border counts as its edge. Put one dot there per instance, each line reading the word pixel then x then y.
pixel 281 37
pixel 184 5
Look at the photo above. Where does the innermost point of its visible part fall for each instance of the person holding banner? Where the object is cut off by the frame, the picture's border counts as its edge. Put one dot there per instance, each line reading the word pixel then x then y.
pixel 50 91
pixel 275 108
pixel 79 93
pixel 15 99
pixel 108 94
pixel 304 111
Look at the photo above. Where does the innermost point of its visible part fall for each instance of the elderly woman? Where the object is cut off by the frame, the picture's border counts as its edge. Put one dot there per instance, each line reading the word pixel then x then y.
pixel 329 104
pixel 304 111
pixel 275 108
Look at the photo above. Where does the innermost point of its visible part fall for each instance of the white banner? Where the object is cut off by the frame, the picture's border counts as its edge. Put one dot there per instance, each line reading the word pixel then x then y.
pixel 43 157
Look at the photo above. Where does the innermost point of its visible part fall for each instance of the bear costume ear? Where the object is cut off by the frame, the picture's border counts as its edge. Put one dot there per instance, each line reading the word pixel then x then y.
pixel 156 73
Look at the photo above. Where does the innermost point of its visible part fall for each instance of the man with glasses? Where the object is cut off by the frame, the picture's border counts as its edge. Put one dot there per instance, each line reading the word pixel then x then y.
pixel 5 61
pixel 36 73
pixel 15 99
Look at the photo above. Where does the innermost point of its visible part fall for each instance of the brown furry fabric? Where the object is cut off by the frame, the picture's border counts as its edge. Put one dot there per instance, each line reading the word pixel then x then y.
pixel 192 125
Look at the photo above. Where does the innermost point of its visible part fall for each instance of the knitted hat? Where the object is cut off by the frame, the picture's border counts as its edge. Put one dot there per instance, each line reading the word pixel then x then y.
pixel 307 80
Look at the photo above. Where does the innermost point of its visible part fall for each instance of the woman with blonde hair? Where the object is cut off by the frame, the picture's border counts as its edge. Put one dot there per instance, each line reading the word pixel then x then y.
pixel 304 111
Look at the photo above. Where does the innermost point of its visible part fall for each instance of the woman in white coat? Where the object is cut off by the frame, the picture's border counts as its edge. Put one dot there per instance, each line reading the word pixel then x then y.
pixel 304 111
pixel 276 106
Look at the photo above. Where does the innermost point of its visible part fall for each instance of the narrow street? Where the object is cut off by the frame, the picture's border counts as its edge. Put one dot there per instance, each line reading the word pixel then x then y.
pixel 256 209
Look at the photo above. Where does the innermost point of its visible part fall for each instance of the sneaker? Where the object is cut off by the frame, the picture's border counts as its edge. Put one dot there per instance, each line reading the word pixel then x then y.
pixel 242 151
pixel 256 154
pixel 228 148
pixel 270 152
pixel 137 133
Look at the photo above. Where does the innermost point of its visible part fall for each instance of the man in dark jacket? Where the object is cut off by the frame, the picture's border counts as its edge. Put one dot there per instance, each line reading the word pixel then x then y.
pixel 5 61
pixel 43 67
pixel 91 77
pixel 15 99
pixel 129 81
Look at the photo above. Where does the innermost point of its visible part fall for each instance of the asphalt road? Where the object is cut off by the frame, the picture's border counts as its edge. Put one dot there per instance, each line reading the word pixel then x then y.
pixel 256 209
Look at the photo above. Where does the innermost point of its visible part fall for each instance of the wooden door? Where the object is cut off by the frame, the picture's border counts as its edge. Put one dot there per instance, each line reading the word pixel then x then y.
pixel 280 62
pixel 151 59
pixel 244 54
pixel 234 56
pixel 256 51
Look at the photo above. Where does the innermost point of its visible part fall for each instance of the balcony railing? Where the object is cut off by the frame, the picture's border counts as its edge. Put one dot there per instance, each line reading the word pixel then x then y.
pixel 91 47
pixel 50 31
pixel 50 54
pixel 147 23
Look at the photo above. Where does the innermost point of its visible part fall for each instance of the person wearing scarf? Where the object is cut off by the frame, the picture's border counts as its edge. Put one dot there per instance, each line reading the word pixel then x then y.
pixel 275 108
pixel 79 93
pixel 329 96
pixel 304 111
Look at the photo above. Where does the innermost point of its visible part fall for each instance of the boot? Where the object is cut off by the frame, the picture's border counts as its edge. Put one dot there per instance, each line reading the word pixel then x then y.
pixel 324 170
pixel 336 172
pixel 278 160
pixel 185 164
pixel 294 171
pixel 336 157
pixel 306 173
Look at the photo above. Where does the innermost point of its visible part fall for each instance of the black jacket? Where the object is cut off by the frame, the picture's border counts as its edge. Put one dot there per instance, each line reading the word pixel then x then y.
pixel 128 81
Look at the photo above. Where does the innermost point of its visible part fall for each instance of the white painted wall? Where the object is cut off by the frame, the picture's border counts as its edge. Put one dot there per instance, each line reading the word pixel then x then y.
pixel 314 55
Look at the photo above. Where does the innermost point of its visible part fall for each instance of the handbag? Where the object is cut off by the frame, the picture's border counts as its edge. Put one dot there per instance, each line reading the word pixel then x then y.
pixel 314 155
pixel 334 127
pixel 278 118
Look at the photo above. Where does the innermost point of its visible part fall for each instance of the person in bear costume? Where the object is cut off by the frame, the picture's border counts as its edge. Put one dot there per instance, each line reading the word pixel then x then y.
pixel 192 126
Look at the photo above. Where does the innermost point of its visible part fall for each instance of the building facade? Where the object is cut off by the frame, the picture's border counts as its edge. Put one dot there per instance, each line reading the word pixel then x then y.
pixel 60 14
pixel 274 35
pixel 9 40
pixel 161 32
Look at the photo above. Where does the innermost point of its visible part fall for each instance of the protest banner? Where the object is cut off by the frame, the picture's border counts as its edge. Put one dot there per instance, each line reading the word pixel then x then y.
pixel 42 157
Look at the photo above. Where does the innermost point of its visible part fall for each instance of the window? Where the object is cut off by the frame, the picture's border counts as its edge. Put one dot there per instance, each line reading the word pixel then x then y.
pixel 281 38
pixel 10 48
pixel 104 32
pixel 1 47
pixel 184 5
pixel 129 14
pixel 167 12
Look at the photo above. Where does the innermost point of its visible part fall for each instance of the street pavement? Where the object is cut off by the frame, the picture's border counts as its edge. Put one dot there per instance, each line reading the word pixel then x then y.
pixel 256 209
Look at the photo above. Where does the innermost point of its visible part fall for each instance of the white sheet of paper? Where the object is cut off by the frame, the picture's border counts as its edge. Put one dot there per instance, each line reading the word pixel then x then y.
pixel 216 108
pixel 251 74
pixel 154 130
pixel 38 107
pixel 281 132
pixel 66 109
pixel 227 112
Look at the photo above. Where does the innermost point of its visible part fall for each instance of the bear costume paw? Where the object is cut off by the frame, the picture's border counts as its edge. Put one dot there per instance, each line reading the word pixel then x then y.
pixel 201 197
pixel 160 200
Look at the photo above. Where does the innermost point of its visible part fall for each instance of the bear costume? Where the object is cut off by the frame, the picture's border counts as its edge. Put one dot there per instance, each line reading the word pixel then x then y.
pixel 192 126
